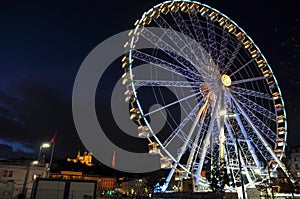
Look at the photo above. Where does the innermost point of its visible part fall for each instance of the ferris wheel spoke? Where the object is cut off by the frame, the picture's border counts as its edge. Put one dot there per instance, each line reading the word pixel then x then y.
pixel 254 106
pixel 272 136
pixel 223 50
pixel 232 57
pixel 190 40
pixel 249 92
pixel 261 137
pixel 153 83
pixel 184 48
pixel 178 131
pixel 189 117
pixel 212 39
pixel 171 104
pixel 185 45
pixel 169 50
pixel 164 65
pixel 197 27
pixel 191 131
pixel 251 150
pixel 175 38
pixel 247 80
pixel 258 146
pixel 258 143
pixel 242 67
pixel 260 125
pixel 244 125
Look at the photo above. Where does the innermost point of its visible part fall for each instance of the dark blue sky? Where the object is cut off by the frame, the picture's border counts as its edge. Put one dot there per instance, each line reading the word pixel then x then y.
pixel 43 43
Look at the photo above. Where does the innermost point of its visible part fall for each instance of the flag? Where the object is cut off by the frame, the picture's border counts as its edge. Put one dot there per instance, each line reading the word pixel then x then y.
pixel 53 139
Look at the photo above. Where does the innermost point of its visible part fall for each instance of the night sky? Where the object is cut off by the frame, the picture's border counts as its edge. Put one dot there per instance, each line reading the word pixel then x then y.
pixel 43 43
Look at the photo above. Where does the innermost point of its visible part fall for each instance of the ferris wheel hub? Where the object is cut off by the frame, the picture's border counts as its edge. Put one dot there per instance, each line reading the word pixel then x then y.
pixel 226 80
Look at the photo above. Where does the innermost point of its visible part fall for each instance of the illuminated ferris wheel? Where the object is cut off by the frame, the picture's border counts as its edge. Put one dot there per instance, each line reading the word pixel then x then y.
pixel 224 112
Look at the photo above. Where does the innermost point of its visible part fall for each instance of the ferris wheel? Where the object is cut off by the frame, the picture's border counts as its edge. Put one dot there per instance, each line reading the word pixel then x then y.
pixel 225 117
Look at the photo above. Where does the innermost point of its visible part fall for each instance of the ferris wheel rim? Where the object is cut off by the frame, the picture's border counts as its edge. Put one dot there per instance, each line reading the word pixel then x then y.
pixel 248 37
pixel 131 74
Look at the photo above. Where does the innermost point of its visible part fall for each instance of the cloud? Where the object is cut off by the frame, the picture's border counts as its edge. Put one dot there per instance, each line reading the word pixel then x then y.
pixel 16 146
pixel 32 111
pixel 8 152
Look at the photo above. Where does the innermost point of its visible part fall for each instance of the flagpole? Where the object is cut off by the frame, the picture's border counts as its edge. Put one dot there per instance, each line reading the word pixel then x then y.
pixel 50 163
pixel 52 152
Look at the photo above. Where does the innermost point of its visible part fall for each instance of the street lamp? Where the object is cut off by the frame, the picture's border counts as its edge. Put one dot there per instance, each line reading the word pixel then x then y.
pixel 45 145
pixel 42 146
pixel 35 162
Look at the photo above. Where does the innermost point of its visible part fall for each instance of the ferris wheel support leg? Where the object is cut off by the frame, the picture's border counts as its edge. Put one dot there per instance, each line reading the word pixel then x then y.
pixel 238 119
pixel 193 151
pixel 232 138
pixel 238 154
pixel 183 148
pixel 242 163
pixel 264 141
pixel 168 179
pixel 206 142
pixel 192 154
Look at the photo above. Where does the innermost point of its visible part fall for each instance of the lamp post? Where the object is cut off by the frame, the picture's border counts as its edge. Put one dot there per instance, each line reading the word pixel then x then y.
pixel 42 146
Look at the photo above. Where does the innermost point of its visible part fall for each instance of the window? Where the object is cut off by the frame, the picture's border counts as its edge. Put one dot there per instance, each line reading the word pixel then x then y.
pixel 7 173
pixel 295 159
pixel 296 165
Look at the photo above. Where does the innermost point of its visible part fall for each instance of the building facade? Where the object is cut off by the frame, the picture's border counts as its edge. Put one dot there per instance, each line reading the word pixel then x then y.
pixel 85 158
pixel 16 181
pixel 134 186
pixel 294 161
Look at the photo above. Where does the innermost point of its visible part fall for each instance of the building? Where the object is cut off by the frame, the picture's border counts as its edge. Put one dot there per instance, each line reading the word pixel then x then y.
pixel 86 158
pixel 19 179
pixel 294 161
pixel 134 186
pixel 106 183
pixel 281 183
pixel 293 164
